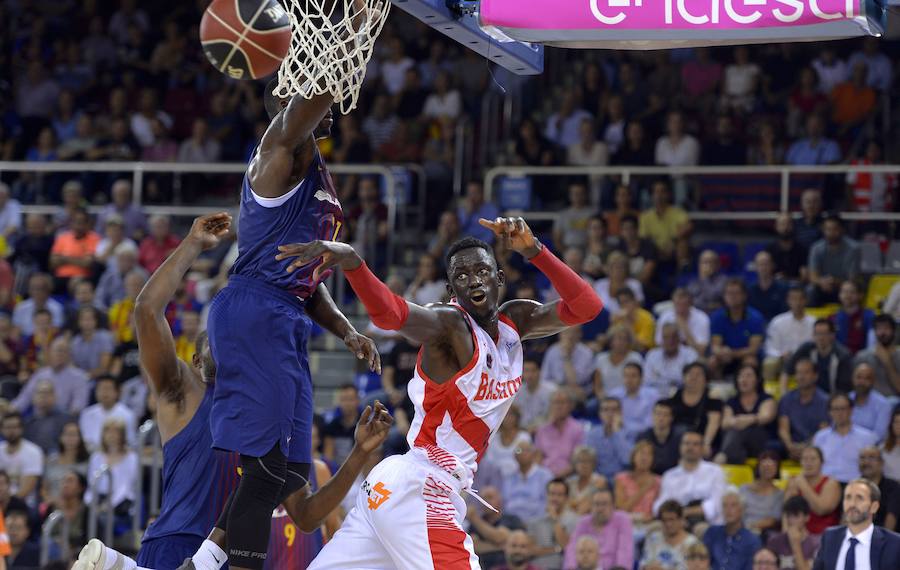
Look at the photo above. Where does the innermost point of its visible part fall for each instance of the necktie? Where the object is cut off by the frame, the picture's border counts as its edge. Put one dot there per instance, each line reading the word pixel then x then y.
pixel 850 560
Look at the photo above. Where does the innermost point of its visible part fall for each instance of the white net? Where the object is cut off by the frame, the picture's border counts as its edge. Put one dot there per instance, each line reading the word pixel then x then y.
pixel 331 43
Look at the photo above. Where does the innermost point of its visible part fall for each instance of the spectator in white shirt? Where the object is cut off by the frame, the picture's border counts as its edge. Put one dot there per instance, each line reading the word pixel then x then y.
pixel 200 147
pixel 569 362
pixel 676 147
pixel 40 285
pixel 22 460
pixel 588 151
pixel 786 333
pixel 563 126
pixel 880 69
pixel 10 213
pixel 664 365
pixel 692 323
pixel 501 452
pixel 444 102
pixel 740 82
pixel 697 485
pixel 428 286
pixel 533 397
pixel 107 406
pixel 831 70
pixel 122 463
pixel 393 69
pixel 609 366
pixel 617 278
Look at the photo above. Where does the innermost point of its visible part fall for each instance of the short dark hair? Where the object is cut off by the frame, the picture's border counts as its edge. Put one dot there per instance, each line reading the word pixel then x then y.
pixel 885 320
pixel 637 365
pixel 797 289
pixel 629 218
pixel 736 282
pixel 690 432
pixel 558 481
pixel 532 357
pixel 809 361
pixel 696 364
pixel 627 292
pixel 833 217
pixel 106 378
pixel 796 505
pixel 874 491
pixel 665 404
pixel 348 386
pixel 837 396
pixel 465 243
pixel 827 322
pixel 41 312
pixel 271 102
pixel 14 414
pixel 671 506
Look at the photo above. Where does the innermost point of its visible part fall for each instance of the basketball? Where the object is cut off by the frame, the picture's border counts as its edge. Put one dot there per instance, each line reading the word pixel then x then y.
pixel 245 39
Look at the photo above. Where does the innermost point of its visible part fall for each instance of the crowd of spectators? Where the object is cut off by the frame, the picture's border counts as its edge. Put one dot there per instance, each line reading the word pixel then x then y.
pixel 621 444
pixel 114 80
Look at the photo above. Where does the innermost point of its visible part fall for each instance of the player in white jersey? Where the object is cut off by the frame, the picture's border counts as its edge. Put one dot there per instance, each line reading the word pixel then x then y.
pixel 469 368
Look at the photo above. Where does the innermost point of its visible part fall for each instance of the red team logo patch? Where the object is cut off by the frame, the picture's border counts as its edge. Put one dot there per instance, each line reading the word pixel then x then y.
pixel 490 389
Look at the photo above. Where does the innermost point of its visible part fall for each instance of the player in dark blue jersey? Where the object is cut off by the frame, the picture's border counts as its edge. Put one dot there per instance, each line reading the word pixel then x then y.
pixel 197 479
pixel 260 323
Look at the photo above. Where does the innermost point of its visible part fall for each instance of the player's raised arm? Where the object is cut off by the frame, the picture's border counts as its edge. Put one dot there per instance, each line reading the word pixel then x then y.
pixel 387 310
pixel 157 347
pixel 578 302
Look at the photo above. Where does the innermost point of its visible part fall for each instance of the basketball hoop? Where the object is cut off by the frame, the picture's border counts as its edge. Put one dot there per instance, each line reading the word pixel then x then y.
pixel 331 43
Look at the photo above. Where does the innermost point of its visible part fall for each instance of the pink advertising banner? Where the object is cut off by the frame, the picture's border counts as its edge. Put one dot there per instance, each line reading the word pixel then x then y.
pixel 667 14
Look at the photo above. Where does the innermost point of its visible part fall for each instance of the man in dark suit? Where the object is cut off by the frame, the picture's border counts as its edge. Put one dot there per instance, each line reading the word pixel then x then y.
pixel 860 545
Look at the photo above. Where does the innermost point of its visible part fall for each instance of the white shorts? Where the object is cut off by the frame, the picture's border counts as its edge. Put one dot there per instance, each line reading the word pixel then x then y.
pixel 408 516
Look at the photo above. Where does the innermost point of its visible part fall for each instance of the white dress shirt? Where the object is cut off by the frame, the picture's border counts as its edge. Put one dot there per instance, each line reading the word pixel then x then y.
pixel 92 420
pixel 664 373
pixel 785 334
pixel 863 549
pixel 706 483
pixel 698 324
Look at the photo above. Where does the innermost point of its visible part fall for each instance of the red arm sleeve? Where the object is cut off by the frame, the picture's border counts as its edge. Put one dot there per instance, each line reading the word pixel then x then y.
pixel 579 303
pixel 387 310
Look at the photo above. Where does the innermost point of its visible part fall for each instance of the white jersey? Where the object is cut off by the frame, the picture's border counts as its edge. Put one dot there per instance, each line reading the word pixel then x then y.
pixel 457 419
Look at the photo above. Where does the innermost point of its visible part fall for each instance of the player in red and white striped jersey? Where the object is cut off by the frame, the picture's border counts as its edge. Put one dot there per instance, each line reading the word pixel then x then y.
pixel 469 368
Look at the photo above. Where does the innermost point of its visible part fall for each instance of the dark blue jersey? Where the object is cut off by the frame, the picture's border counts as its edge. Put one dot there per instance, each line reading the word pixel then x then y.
pixel 310 211
pixel 197 479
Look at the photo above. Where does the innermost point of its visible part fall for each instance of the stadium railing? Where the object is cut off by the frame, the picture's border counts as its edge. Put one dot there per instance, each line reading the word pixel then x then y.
pixel 398 191
pixel 97 503
pixel 56 519
pixel 777 188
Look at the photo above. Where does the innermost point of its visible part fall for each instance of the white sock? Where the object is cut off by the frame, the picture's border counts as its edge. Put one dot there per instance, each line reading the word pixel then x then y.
pixel 111 555
pixel 209 556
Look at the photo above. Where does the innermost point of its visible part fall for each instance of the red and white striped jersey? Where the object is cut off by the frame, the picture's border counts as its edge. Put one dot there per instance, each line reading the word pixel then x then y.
pixel 460 416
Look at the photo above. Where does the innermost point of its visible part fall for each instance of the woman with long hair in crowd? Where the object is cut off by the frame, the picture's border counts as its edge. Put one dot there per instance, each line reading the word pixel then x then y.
pixel 638 488
pixel 122 463
pixel 749 418
pixel 890 449
pixel 762 499
pixel 502 451
pixel 72 455
pixel 694 409
pixel 821 492
pixel 585 481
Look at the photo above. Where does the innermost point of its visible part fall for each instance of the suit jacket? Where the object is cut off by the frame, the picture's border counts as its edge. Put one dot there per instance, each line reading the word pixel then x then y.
pixel 885 551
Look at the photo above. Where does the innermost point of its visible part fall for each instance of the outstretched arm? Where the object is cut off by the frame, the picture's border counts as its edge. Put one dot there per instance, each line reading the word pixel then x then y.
pixel 578 302
pixel 309 510
pixel 421 325
pixel 157 347
pixel 322 309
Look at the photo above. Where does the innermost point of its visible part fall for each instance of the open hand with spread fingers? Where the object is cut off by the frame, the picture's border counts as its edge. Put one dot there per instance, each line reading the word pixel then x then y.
pixel 515 233
pixel 208 230
pixel 373 427
pixel 332 253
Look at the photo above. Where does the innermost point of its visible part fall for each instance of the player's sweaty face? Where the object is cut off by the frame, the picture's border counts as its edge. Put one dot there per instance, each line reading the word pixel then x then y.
pixel 475 280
